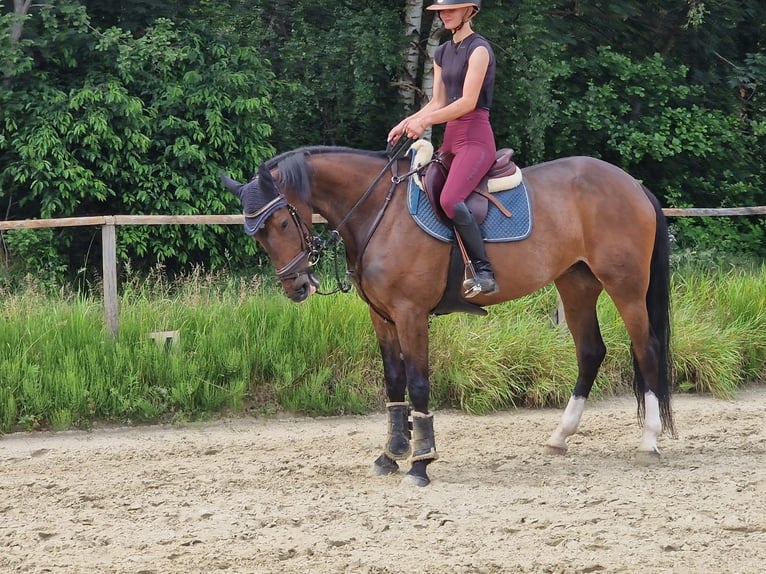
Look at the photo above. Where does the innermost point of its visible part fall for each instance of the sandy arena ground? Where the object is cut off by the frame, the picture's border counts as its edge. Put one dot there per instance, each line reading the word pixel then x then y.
pixel 295 495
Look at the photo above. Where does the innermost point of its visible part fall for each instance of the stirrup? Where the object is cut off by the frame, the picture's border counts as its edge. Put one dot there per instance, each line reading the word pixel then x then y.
pixel 471 288
pixel 472 285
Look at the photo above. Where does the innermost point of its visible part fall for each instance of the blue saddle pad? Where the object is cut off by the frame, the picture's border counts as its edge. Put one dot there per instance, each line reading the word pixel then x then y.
pixel 496 228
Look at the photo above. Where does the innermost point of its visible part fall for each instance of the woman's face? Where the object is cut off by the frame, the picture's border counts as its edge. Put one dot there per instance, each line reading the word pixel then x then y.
pixel 453 17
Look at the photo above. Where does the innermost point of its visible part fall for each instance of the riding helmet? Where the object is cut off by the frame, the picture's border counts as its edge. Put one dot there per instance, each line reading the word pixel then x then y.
pixel 450 4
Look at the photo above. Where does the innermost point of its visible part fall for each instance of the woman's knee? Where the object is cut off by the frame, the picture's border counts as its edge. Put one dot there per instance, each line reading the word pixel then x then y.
pixel 447 203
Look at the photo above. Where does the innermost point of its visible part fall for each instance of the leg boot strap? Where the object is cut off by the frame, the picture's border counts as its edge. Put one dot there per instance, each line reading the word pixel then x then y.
pixel 398 440
pixel 423 441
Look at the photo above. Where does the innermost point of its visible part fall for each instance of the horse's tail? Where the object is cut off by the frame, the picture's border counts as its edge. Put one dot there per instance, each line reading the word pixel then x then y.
pixel 658 307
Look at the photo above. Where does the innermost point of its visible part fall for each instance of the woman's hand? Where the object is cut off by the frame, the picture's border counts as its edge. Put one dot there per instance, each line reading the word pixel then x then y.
pixel 414 128
pixel 396 132
pixel 411 126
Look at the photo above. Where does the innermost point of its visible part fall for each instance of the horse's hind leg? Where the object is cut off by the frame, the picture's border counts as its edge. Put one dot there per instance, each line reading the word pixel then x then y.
pixel 579 291
pixel 645 363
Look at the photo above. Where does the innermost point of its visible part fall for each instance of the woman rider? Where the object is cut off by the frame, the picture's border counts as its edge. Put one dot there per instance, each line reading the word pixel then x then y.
pixel 464 81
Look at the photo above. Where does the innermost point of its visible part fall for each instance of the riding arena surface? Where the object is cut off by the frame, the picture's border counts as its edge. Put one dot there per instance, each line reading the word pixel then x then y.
pixel 297 495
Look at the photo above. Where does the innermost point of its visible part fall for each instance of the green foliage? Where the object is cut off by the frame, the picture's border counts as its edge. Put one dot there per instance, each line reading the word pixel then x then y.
pixel 622 118
pixel 34 253
pixel 647 118
pixel 667 90
pixel 108 123
pixel 136 107
pixel 338 62
pixel 529 66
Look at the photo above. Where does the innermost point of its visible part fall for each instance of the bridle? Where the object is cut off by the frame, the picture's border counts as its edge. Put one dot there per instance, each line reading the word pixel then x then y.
pixel 309 250
pixel 312 246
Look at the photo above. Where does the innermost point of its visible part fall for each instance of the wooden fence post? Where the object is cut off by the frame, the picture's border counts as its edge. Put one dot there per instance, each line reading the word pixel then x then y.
pixel 109 261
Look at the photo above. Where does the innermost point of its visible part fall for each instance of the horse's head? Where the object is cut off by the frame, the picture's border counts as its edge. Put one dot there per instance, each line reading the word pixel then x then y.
pixel 281 229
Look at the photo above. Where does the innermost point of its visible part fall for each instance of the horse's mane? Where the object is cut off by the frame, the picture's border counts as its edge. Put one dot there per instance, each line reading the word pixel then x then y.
pixel 294 171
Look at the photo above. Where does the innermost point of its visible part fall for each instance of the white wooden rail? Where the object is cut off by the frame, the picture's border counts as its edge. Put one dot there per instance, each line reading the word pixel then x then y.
pixel 108 224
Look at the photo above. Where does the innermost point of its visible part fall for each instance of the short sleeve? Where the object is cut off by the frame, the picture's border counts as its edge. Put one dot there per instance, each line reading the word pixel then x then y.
pixel 439 54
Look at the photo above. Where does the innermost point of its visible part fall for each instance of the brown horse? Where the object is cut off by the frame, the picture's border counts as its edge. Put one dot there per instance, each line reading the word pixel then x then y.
pixel 595 229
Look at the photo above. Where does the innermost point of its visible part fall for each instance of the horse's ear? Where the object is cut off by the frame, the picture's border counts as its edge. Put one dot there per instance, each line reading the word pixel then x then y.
pixel 266 180
pixel 233 186
pixel 264 172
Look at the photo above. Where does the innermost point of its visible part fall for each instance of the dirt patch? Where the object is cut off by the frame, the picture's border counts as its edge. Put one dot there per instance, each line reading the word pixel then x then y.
pixel 297 495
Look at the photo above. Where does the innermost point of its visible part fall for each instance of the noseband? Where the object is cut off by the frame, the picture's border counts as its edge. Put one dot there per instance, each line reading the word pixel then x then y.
pixel 310 245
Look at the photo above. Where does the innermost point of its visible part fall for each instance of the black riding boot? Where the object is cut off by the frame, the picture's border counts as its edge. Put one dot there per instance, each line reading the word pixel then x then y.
pixel 483 280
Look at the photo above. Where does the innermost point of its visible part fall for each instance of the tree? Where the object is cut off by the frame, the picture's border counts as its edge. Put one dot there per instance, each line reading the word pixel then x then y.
pixel 104 122
pixel 134 107
pixel 339 63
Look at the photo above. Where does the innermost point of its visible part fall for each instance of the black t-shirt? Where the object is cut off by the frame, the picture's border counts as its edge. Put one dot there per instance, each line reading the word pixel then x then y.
pixel 453 58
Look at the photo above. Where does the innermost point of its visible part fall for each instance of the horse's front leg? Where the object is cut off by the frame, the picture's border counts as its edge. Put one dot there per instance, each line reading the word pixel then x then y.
pixel 404 350
pixel 398 437
pixel 412 328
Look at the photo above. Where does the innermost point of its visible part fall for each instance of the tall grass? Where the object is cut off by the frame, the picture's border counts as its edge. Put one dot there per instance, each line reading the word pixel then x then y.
pixel 720 329
pixel 244 347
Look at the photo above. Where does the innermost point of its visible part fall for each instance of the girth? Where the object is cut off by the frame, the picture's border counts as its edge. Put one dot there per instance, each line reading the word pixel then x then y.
pixel 478 201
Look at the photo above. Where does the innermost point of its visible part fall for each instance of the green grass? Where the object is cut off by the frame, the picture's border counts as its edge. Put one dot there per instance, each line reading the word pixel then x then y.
pixel 245 348
pixel 720 330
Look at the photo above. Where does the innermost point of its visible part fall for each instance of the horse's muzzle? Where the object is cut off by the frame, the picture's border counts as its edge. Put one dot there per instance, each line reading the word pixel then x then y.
pixel 304 284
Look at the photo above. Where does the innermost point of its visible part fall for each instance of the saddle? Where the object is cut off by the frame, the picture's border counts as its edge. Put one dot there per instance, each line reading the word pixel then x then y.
pixel 501 176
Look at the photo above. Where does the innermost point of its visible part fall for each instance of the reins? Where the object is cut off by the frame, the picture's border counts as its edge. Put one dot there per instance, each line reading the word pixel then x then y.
pixel 321 247
pixel 335 238
pixel 396 152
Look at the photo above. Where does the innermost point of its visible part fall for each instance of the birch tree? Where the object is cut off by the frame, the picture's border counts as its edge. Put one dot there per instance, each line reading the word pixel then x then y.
pixel 434 39
pixel 20 9
pixel 416 85
pixel 413 19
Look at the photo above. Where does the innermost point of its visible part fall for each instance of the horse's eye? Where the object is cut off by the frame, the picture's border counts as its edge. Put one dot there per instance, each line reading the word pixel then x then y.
pixel 284 224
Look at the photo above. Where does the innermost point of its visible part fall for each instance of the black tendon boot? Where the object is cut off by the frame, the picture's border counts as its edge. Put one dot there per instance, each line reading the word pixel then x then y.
pixel 423 448
pixel 398 441
pixel 423 441
pixel 483 280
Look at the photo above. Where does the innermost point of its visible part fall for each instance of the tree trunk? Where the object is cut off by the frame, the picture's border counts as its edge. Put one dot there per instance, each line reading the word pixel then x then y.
pixel 20 9
pixel 434 37
pixel 413 19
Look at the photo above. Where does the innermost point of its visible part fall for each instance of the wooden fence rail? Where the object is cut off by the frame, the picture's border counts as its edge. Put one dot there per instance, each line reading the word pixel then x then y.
pixel 108 224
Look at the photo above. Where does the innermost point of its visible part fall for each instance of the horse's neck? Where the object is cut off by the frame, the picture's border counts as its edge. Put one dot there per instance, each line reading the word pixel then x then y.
pixel 339 190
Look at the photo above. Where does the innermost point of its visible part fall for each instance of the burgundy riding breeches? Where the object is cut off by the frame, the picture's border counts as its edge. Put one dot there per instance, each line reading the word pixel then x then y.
pixel 471 140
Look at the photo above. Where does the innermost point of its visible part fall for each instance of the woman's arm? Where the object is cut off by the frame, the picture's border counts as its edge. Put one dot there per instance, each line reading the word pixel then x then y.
pixel 438 100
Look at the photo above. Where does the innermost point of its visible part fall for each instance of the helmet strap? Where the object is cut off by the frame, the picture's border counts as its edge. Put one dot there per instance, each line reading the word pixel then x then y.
pixel 464 22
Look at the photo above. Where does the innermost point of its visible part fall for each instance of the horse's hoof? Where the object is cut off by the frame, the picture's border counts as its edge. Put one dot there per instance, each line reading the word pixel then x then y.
pixel 648 457
pixel 384 466
pixel 554 450
pixel 416 480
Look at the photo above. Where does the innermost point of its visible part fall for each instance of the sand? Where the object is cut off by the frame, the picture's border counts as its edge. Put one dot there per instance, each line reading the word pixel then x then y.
pixel 289 495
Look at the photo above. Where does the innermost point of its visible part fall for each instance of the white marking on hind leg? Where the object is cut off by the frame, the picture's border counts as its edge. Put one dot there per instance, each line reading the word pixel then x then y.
pixel 652 424
pixel 570 420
